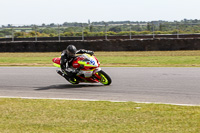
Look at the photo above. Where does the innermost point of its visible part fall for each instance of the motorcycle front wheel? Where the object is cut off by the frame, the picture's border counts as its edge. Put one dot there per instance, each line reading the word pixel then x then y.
pixel 105 79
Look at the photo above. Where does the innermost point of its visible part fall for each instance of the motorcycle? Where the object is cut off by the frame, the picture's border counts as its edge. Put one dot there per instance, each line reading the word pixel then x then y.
pixel 89 70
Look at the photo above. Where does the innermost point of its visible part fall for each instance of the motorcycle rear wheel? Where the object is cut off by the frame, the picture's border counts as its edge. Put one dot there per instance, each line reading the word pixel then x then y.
pixel 105 79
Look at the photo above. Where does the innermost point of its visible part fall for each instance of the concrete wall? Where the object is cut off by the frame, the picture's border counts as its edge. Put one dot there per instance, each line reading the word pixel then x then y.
pixel 103 45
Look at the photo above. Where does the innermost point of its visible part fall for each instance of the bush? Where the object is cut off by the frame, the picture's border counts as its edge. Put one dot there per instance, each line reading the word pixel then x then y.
pixel 2 35
pixel 124 33
pixel 158 32
pixel 68 34
pixel 52 35
pixel 111 33
pixel 145 32
pixel 19 34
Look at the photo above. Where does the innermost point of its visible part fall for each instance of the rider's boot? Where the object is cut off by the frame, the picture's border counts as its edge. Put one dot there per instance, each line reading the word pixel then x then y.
pixel 70 79
pixel 62 74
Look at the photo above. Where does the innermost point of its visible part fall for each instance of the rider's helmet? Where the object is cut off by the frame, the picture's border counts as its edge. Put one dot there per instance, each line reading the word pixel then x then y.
pixel 71 51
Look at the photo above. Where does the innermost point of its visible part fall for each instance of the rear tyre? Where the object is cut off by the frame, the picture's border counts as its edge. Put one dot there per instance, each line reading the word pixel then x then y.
pixel 105 79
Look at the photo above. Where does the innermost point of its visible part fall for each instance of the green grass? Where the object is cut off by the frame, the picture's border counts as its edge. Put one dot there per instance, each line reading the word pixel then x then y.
pixel 30 116
pixel 122 59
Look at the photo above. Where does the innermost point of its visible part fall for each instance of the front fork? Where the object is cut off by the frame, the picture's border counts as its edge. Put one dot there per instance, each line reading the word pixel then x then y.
pixel 95 73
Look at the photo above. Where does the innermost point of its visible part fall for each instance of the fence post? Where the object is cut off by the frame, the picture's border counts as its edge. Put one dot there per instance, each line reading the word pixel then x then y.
pixel 13 38
pixel 130 30
pixel 106 30
pixel 153 30
pixel 177 30
pixel 59 32
pixel 82 32
pixel 35 33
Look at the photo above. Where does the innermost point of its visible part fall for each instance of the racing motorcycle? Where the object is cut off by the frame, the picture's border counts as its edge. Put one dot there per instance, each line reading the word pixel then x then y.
pixel 89 70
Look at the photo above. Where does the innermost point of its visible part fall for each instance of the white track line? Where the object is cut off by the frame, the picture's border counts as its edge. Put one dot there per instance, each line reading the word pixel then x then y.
pixel 97 100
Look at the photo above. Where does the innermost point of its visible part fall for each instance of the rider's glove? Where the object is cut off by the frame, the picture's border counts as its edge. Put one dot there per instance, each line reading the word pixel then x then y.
pixel 91 53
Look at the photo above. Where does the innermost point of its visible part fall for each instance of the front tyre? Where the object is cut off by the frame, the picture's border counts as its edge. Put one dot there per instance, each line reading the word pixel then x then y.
pixel 105 79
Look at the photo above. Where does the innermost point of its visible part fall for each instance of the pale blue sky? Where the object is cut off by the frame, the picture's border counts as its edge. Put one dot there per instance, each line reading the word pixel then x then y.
pixel 59 11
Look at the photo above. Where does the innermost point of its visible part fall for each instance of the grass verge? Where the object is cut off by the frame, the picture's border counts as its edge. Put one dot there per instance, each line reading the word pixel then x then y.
pixel 110 59
pixel 34 115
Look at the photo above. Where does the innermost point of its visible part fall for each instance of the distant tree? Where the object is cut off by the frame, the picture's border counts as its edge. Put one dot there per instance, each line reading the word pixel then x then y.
pixel 65 24
pixel 48 30
pixel 115 29
pixel 91 28
pixel 9 26
pixel 52 25
pixel 148 27
pixel 43 25
pixel 160 27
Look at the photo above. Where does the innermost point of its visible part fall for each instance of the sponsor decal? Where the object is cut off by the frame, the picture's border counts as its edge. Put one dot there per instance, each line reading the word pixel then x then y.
pixel 76 64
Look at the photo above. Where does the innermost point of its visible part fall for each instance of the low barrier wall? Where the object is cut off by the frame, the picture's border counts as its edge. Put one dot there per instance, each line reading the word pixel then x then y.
pixel 103 45
pixel 103 37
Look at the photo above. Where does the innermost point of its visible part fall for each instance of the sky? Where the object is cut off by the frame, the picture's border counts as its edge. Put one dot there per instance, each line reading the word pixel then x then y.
pixel 20 12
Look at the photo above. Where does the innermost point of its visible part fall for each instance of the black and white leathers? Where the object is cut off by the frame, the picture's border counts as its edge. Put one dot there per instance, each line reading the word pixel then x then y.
pixel 66 59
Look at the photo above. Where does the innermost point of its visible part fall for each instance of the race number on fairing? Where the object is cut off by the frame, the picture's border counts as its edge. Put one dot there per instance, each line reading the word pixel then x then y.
pixel 92 62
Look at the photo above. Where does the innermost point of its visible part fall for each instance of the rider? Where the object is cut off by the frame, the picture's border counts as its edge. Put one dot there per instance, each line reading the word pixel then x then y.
pixel 67 57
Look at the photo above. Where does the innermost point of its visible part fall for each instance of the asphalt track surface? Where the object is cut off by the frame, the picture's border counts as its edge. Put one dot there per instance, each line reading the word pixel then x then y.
pixel 157 85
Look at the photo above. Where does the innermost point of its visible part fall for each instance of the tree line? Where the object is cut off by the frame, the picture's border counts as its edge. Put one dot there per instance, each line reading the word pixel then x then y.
pixel 101 29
